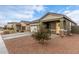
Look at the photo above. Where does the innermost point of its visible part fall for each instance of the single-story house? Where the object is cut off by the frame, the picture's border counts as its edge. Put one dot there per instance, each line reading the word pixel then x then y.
pixel 10 27
pixel 22 26
pixel 56 23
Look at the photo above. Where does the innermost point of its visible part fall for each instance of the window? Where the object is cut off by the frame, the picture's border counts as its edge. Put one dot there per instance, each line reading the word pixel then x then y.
pixel 23 27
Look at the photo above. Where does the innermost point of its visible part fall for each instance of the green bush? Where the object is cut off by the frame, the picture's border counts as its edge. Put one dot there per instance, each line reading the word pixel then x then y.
pixel 41 35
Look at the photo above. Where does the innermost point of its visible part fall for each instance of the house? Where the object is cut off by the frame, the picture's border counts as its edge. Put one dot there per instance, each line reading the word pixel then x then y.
pixel 34 26
pixel 9 27
pixel 26 25
pixel 22 26
pixel 56 23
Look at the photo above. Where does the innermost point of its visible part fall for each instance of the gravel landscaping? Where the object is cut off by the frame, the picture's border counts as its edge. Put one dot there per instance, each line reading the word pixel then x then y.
pixel 58 45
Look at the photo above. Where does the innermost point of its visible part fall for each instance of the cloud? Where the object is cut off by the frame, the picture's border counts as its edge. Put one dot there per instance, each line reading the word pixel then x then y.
pixel 30 11
pixel 4 18
pixel 66 9
pixel 67 12
pixel 39 8
pixel 2 21
pixel 74 15
pixel 18 13
pixel 27 16
pixel 52 11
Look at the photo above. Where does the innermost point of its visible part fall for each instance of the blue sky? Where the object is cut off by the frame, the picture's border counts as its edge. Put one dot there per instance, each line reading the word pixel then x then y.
pixel 16 13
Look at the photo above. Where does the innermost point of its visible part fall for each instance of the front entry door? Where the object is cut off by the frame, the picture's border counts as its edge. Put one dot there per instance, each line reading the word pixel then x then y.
pixel 57 28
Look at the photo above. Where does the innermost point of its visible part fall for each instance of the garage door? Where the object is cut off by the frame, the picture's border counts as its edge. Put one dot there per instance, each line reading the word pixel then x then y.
pixel 33 28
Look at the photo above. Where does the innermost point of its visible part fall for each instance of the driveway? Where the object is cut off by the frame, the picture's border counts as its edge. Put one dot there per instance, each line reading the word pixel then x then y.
pixel 3 49
pixel 15 35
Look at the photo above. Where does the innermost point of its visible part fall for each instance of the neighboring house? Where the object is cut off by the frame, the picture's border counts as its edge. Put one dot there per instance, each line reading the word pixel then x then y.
pixel 26 25
pixel 10 27
pixel 34 26
pixel 18 26
pixel 57 23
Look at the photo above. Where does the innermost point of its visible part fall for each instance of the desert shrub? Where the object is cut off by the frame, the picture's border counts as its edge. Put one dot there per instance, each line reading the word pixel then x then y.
pixel 42 35
pixel 12 31
pixel 22 31
pixel 5 27
pixel 6 32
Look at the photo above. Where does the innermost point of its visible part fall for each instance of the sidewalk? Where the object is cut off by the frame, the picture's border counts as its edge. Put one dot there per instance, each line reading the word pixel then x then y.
pixel 15 35
pixel 3 49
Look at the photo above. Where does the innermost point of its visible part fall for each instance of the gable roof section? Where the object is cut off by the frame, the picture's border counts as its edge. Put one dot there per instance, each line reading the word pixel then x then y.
pixel 35 21
pixel 55 16
pixel 12 22
pixel 27 22
pixel 69 19
pixel 50 17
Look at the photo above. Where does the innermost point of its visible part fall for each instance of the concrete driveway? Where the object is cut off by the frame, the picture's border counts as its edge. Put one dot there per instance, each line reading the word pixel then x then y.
pixel 15 35
pixel 3 49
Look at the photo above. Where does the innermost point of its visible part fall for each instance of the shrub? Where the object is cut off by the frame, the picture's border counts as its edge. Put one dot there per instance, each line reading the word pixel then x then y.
pixel 41 35
pixel 12 31
pixel 6 32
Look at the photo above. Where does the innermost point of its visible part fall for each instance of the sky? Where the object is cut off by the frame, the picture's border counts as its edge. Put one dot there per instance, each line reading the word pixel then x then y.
pixel 16 13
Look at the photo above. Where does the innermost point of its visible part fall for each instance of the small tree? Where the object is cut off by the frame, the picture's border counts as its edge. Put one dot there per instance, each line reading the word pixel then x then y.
pixel 42 34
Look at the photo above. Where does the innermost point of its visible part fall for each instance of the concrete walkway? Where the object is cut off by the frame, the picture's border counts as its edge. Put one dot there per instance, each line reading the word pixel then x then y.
pixel 15 35
pixel 3 49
